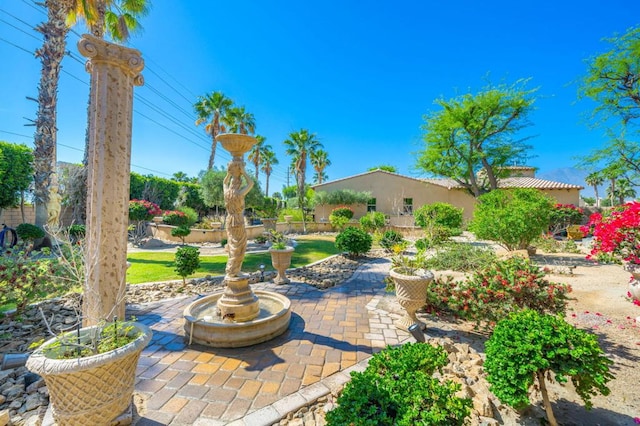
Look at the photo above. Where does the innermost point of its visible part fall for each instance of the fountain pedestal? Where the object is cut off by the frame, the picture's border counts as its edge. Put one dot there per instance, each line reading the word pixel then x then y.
pixel 238 302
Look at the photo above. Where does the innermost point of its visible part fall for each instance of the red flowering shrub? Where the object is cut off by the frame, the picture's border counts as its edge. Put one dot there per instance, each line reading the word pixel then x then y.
pixel 175 218
pixel 493 293
pixel 563 215
pixel 143 210
pixel 616 237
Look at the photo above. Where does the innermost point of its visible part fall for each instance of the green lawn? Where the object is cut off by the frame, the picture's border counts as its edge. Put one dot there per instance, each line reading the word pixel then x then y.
pixel 158 266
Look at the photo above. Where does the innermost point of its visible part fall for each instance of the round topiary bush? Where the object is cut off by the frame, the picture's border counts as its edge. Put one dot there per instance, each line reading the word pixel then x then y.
pixel 187 261
pixel 181 232
pixel 29 232
pixel 354 241
pixel 442 215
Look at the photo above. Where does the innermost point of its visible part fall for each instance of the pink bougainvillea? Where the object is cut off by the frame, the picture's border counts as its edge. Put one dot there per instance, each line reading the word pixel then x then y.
pixel 617 236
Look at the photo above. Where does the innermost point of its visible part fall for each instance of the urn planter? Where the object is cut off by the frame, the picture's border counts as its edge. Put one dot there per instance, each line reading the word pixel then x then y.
pixel 92 390
pixel 281 260
pixel 634 282
pixel 411 292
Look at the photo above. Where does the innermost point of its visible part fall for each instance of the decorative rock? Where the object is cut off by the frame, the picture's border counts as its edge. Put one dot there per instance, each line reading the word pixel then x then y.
pixel 4 417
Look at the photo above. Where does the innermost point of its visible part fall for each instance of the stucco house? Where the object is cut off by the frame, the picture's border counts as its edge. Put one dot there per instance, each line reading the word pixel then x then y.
pixel 398 195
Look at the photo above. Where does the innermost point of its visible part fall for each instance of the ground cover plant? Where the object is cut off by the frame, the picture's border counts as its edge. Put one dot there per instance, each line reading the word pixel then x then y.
pixel 527 346
pixel 460 257
pixel 398 388
pixel 159 266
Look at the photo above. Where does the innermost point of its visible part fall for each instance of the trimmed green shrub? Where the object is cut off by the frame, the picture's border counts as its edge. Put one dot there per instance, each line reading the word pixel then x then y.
pixel 181 232
pixel 187 261
pixel 340 216
pixel 398 388
pixel 29 232
pixel 391 238
pixel 440 215
pixel 460 257
pixel 513 218
pixel 490 295
pixel 373 221
pixel 354 241
pixel 342 212
pixel 77 231
pixel 527 346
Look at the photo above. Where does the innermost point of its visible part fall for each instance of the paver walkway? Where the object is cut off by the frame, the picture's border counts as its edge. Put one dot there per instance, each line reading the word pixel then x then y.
pixel 331 331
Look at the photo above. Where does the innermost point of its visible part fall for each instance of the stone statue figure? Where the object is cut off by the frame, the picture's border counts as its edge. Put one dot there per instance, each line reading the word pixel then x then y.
pixel 234 192
pixel 54 205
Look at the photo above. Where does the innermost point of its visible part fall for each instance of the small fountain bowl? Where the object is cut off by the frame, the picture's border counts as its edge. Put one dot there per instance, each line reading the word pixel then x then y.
pixel 203 327
pixel 237 144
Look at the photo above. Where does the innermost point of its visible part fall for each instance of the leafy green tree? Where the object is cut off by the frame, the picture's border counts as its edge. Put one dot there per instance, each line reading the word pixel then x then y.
pixel 213 194
pixel 211 109
pixel 385 167
pixel 300 145
pixel 289 191
pixel 268 160
pixel 16 173
pixel 320 161
pixel 513 218
pixel 346 197
pixel 473 133
pixel 613 82
pixel 517 357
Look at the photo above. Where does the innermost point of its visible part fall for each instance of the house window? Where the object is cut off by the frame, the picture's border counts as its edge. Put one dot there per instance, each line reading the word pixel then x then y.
pixel 371 205
pixel 407 206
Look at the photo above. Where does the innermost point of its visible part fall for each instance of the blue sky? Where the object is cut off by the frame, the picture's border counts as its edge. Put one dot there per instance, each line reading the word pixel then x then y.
pixel 360 75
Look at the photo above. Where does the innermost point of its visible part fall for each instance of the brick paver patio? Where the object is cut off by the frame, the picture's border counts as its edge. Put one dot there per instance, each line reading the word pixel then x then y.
pixel 331 332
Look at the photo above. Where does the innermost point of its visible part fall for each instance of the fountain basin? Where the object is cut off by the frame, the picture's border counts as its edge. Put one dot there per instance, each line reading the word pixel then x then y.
pixel 204 326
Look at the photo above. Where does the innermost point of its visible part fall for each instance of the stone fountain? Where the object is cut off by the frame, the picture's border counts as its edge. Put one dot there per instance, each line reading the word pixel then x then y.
pixel 236 316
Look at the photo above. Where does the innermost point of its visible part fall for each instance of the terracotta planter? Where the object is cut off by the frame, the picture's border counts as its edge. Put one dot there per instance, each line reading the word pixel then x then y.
pixel 93 390
pixel 411 292
pixel 281 260
pixel 269 223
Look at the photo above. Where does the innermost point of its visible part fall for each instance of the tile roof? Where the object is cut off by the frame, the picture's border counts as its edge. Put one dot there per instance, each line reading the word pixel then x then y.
pixel 512 182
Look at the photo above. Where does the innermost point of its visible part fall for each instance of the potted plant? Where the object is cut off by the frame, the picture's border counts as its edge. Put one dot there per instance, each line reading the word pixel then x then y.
pixel 616 238
pixel 89 372
pixel 280 256
pixel 411 280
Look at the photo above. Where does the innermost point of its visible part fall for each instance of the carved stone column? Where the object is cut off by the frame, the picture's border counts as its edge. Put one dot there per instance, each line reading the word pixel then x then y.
pixel 114 71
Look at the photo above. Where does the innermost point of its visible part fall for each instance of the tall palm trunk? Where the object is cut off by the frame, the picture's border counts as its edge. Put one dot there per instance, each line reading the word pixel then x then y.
pixel 266 186
pixel 51 54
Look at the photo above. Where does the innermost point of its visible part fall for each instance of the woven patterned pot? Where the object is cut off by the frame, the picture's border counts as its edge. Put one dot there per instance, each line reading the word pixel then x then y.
pixel 93 390
pixel 411 292
pixel 281 260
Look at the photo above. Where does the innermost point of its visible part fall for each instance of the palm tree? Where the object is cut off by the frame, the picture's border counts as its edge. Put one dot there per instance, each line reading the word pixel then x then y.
pixel 181 177
pixel 595 179
pixel 240 121
pixel 623 190
pixel 299 146
pixel 45 139
pixel 212 108
pixel 255 154
pixel 268 160
pixel 320 161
